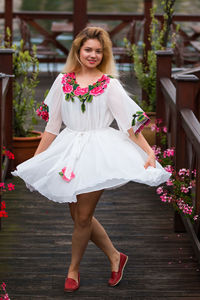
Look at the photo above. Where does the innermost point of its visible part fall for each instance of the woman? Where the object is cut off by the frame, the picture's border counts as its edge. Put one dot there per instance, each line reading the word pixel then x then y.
pixel 88 156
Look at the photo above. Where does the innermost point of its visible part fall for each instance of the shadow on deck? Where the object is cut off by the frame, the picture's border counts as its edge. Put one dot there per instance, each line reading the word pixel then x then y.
pixel 35 245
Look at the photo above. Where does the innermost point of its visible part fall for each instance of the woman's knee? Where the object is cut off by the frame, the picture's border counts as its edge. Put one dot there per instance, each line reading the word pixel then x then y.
pixel 83 220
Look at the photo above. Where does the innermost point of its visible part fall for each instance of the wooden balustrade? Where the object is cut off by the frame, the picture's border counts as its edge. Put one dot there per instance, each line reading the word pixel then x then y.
pixel 177 105
pixel 82 17
pixel 5 110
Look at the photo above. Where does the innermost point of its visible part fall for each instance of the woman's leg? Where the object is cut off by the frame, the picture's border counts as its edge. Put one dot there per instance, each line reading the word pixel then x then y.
pixel 85 207
pixel 100 238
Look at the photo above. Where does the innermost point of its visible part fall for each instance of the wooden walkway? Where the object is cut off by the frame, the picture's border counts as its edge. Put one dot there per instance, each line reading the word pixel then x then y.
pixel 35 248
pixel 35 245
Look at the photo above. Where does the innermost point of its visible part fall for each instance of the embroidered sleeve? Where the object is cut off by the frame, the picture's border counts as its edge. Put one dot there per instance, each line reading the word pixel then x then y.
pixel 50 110
pixel 126 112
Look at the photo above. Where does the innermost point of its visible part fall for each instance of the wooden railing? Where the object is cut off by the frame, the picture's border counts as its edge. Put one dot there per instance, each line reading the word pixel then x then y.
pixel 5 110
pixel 178 106
pixel 80 17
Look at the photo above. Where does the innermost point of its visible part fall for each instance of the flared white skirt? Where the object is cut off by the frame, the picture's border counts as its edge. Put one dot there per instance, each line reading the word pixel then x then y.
pixel 93 160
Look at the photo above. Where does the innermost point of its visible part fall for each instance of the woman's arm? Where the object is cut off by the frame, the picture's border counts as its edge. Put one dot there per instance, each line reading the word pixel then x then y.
pixel 47 139
pixel 142 143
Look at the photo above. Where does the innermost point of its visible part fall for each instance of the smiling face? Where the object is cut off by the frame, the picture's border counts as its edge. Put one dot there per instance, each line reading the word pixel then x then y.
pixel 91 53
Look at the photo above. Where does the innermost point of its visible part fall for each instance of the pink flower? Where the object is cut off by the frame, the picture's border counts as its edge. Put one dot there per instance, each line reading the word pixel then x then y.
pixel 153 127
pixel 3 213
pixel 164 197
pixel 182 172
pixel 38 112
pixel 72 75
pixel 165 129
pixel 104 78
pixel 3 205
pixel 67 175
pixel 159 190
pixel 2 185
pixel 67 88
pixel 184 189
pixel 170 152
pixel 11 186
pixel 195 217
pixel 3 285
pixel 80 91
pixel 169 182
pixel 169 168
pixel 96 91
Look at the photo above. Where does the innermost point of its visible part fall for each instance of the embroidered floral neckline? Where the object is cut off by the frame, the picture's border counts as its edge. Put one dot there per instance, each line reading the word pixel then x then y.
pixel 71 88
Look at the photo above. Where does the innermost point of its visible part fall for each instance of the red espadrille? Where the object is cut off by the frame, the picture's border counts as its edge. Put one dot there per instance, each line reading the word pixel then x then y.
pixel 117 276
pixel 71 285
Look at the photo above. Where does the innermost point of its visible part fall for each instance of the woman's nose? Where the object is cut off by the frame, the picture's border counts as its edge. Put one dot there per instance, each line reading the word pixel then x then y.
pixel 93 54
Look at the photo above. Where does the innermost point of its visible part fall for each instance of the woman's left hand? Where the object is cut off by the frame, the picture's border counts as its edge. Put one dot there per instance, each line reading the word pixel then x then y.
pixel 151 161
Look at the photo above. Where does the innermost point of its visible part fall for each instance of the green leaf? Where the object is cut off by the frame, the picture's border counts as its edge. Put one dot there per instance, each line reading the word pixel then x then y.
pixel 61 173
pixel 83 107
pixel 133 122
pixel 90 87
pixel 89 98
pixel 140 118
pixel 67 97
pixel 75 86
pixel 139 112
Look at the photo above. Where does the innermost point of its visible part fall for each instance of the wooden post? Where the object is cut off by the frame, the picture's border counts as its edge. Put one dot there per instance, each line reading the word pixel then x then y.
pixel 80 18
pixel 6 67
pixel 185 98
pixel 163 69
pixel 147 23
pixel 8 19
pixel 186 89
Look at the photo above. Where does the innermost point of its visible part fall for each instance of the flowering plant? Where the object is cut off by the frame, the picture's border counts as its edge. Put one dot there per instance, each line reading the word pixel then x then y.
pixel 178 189
pixel 178 192
pixel 5 296
pixel 43 111
pixel 3 187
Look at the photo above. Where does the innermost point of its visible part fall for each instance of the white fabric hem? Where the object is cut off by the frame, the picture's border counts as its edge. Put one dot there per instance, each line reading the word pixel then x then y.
pixel 109 183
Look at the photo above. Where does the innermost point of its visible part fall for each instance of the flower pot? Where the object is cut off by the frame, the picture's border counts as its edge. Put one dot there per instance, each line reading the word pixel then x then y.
pixel 25 147
pixel 150 135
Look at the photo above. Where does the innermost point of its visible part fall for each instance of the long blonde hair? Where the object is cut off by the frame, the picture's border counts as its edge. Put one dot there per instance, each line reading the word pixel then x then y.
pixel 107 65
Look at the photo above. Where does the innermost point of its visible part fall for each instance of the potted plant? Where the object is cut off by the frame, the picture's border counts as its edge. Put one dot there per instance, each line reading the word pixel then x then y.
pixel 145 69
pixel 26 70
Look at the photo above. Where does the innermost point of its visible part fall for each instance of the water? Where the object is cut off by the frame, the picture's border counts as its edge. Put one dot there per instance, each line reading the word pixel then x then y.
pixel 116 6
pixel 181 6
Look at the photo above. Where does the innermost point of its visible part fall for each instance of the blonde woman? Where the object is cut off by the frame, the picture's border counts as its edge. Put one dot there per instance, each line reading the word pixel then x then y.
pixel 76 165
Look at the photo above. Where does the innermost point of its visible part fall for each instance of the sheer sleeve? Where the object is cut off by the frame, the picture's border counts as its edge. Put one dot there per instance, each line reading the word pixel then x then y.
pixel 53 101
pixel 125 111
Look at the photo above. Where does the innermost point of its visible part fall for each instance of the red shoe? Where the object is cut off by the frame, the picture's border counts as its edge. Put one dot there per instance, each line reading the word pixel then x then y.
pixel 71 285
pixel 117 276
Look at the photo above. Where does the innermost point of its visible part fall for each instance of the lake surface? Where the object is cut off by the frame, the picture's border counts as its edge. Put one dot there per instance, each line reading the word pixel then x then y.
pixel 181 6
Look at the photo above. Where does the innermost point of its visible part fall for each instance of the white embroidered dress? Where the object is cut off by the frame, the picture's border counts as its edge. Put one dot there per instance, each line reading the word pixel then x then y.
pixel 88 153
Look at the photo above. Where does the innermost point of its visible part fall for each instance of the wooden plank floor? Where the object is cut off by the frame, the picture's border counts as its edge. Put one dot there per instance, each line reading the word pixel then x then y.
pixel 35 248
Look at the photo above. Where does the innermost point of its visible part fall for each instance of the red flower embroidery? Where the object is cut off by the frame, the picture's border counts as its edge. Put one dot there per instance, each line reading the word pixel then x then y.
pixel 67 174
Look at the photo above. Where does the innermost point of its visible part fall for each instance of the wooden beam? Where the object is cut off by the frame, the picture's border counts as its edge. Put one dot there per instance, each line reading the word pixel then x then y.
pixel 147 23
pixel 80 15
pixel 8 19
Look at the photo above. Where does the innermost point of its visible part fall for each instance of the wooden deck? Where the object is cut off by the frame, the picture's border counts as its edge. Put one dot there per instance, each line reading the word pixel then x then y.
pixel 35 245
pixel 35 248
